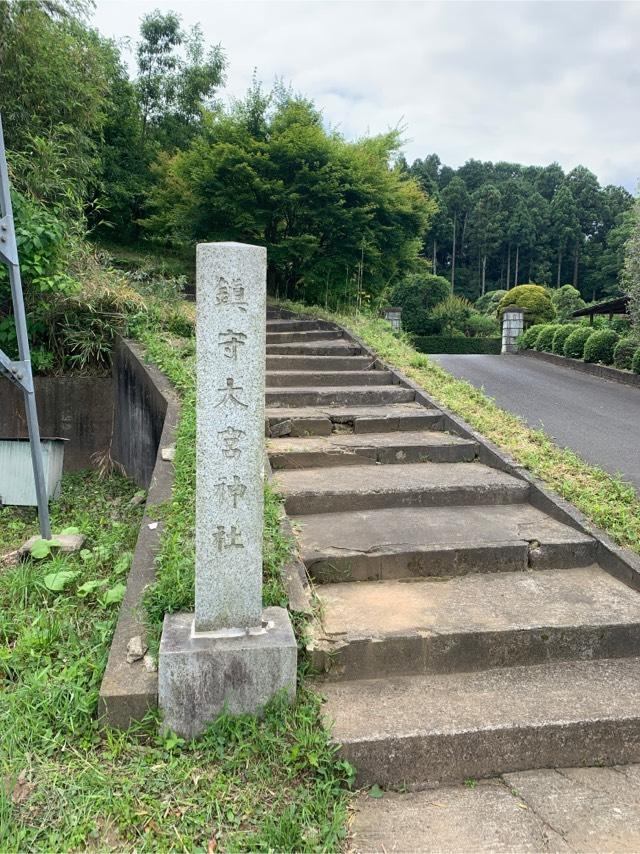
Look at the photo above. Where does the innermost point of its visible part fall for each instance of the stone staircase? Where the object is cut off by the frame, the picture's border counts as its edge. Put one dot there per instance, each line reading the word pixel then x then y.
pixel 461 632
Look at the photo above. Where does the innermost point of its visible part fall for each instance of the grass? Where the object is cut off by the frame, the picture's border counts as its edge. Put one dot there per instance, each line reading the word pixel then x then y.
pixel 273 784
pixel 606 500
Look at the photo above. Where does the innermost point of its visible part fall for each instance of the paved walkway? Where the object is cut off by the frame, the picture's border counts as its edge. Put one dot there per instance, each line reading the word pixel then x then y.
pixel 597 418
pixel 569 809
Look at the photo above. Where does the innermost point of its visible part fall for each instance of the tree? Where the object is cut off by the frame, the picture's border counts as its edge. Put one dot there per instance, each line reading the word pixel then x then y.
pixel 585 191
pixel 55 81
pixel 485 225
pixel 339 222
pixel 565 223
pixel 631 271
pixel 566 300
pixel 456 199
pixel 176 78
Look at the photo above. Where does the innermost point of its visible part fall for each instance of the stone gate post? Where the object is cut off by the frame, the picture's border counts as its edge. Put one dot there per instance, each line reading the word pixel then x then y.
pixel 512 326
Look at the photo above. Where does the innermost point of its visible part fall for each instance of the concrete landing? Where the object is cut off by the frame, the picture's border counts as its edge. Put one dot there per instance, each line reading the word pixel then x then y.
pixel 473 622
pixel 446 728
pixel 565 810
pixel 406 542
pixel 317 490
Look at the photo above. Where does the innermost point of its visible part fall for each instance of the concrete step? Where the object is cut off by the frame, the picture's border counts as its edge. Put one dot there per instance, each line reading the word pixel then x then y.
pixel 320 490
pixel 280 325
pixel 311 336
pixel 423 542
pixel 319 363
pixel 342 449
pixel 300 379
pixel 323 348
pixel 473 622
pixel 339 396
pixel 322 421
pixel 452 727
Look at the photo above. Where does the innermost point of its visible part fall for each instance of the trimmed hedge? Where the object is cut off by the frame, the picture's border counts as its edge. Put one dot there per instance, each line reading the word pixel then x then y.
pixel 574 345
pixel 635 364
pixel 624 352
pixel 544 341
pixel 600 346
pixel 562 333
pixel 457 344
pixel 529 337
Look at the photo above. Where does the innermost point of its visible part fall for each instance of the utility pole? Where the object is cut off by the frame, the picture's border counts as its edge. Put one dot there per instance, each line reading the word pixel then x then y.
pixel 19 373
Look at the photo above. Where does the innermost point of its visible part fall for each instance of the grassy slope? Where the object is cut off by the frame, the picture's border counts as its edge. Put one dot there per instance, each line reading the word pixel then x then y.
pixel 606 500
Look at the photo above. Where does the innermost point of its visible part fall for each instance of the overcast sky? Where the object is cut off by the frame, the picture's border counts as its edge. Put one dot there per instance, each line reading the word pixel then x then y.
pixel 531 82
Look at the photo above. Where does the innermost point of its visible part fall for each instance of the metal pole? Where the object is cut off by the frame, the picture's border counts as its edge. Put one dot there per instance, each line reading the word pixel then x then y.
pixel 23 374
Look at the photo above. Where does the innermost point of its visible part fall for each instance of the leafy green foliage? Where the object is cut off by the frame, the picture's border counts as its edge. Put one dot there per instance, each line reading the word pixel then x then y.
pixel 418 293
pixel 635 364
pixel 488 304
pixel 599 347
pixel 544 340
pixel 566 300
pixel 574 345
pixel 560 337
pixel 452 314
pixel 624 352
pixel 479 325
pixel 631 272
pixel 534 300
pixel 338 222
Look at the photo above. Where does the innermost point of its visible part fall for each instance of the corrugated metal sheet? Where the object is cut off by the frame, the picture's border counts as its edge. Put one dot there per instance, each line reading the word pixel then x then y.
pixel 17 486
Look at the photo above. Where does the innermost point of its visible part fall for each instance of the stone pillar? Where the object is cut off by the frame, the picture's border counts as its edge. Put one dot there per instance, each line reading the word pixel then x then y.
pixel 230 341
pixel 231 653
pixel 512 326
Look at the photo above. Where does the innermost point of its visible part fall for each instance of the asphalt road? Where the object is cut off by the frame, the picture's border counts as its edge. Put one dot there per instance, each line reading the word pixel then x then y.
pixel 597 418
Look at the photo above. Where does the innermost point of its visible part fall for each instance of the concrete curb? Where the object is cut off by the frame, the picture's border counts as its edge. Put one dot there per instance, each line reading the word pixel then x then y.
pixel 603 371
pixel 129 690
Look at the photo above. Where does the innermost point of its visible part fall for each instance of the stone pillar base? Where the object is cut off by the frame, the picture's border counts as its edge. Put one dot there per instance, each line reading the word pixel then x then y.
pixel 200 676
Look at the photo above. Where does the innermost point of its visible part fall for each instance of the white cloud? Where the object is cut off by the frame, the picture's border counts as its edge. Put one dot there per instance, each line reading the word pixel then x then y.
pixel 530 82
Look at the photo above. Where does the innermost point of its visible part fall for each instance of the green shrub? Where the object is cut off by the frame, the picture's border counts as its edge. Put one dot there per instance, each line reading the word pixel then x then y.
pixel 635 364
pixel 574 345
pixel 457 344
pixel 452 314
pixel 418 294
pixel 482 325
pixel 561 335
pixel 534 300
pixel 566 300
pixel 489 302
pixel 527 341
pixel 544 341
pixel 599 347
pixel 624 352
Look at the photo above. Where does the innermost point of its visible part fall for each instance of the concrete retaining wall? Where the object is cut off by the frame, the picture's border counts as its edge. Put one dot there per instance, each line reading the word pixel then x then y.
pixel 145 396
pixel 603 371
pixel 79 409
